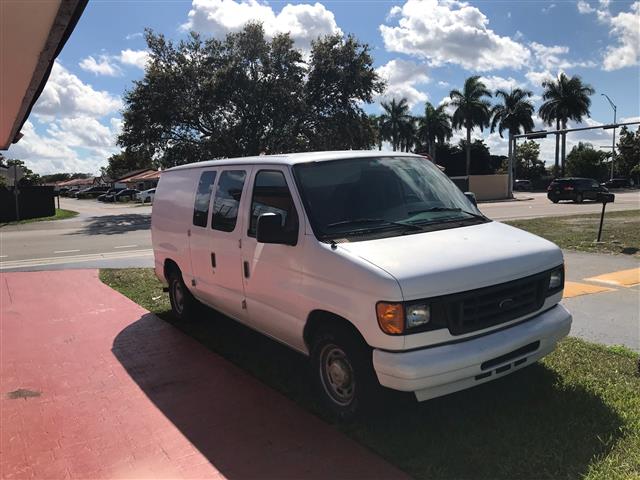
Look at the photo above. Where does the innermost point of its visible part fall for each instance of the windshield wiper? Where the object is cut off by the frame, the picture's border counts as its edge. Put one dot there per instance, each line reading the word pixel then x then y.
pixel 449 209
pixel 364 221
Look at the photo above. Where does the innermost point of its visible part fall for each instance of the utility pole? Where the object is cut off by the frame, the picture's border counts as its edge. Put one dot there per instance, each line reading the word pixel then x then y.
pixel 613 145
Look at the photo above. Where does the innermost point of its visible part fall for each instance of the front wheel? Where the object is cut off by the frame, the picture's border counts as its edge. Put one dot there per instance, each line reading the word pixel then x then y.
pixel 343 372
pixel 182 302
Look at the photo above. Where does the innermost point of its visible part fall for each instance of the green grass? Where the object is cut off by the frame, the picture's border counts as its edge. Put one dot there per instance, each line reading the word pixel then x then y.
pixel 61 214
pixel 576 414
pixel 620 233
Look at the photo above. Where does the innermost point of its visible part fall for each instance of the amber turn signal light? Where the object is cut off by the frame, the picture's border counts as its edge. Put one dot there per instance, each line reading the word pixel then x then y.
pixel 390 317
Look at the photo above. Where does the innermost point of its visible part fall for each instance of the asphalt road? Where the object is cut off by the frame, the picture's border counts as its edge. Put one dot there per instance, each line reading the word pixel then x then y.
pixel 118 236
pixel 107 235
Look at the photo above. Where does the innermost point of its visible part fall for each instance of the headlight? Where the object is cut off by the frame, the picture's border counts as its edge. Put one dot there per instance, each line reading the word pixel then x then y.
pixel 417 315
pixel 556 280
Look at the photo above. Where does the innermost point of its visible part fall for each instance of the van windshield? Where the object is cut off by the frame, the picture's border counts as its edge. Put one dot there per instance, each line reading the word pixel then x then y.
pixel 381 195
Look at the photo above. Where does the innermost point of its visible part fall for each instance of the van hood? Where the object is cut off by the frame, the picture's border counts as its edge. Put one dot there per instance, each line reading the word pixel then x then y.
pixel 455 260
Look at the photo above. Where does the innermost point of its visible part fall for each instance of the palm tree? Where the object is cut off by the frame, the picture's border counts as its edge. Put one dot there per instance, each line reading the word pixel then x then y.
pixel 471 109
pixel 375 121
pixel 434 126
pixel 408 134
pixel 395 115
pixel 565 99
pixel 515 112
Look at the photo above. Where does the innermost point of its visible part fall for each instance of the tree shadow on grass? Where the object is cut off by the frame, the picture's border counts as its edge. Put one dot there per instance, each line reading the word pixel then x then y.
pixel 115 224
pixel 526 425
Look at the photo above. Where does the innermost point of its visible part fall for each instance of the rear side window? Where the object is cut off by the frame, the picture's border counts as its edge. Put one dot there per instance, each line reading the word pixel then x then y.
pixel 203 196
pixel 227 199
pixel 271 195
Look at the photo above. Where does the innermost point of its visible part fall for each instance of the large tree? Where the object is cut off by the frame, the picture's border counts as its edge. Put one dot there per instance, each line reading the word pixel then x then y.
pixel 393 120
pixel 434 126
pixel 244 95
pixel 472 109
pixel 126 161
pixel 565 98
pixel 527 163
pixel 586 161
pixel 627 161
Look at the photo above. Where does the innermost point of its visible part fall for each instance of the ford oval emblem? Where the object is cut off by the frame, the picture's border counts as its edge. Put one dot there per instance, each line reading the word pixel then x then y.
pixel 505 302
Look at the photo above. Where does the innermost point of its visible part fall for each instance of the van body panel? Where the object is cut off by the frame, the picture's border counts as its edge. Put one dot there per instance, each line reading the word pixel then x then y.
pixel 274 288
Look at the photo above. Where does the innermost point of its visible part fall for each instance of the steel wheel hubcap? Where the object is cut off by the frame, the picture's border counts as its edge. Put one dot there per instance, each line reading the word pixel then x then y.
pixel 337 375
pixel 178 297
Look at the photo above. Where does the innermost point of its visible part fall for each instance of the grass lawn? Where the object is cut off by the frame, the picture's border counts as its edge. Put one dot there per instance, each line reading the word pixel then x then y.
pixel 61 214
pixel 620 232
pixel 576 414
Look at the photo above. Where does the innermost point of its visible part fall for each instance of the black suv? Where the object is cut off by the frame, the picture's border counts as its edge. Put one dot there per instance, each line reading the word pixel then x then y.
pixel 576 189
pixel 93 192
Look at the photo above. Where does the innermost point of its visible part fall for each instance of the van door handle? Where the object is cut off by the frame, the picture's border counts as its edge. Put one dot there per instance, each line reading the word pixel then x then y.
pixel 213 260
pixel 245 267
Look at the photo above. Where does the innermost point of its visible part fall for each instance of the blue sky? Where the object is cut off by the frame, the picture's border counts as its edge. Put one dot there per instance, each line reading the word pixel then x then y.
pixel 423 48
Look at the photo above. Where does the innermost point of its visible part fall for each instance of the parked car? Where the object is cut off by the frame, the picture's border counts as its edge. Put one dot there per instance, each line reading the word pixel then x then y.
pixel 110 192
pixel 374 264
pixel 146 195
pixel 92 192
pixel 126 195
pixel 72 192
pixel 576 189
pixel 619 183
pixel 522 185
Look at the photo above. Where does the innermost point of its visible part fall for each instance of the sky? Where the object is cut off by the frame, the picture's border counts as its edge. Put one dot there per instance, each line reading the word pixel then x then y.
pixel 422 48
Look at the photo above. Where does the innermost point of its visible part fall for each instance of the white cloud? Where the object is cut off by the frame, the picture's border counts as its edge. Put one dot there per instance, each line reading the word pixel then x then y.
pixel 536 78
pixel 137 58
pixel 305 22
pixel 548 8
pixel 452 32
pixel 86 132
pixel 102 66
pixel 402 76
pixel 443 84
pixel 65 95
pixel 131 36
pixel 500 83
pixel 551 57
pixel 584 7
pixel 626 28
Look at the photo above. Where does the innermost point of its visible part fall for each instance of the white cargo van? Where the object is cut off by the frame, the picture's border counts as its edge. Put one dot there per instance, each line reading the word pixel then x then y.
pixel 372 263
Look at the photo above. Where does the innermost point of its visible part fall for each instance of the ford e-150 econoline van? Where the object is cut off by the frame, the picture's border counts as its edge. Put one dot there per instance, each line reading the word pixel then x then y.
pixel 372 263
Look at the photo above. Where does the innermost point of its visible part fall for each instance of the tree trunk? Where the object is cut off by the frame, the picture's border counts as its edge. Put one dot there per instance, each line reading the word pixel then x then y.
pixel 564 147
pixel 557 147
pixel 468 151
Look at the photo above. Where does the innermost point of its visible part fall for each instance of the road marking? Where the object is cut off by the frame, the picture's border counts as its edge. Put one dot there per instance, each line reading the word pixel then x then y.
pixel 3 256
pixel 37 262
pixel 66 251
pixel 574 289
pixel 126 246
pixel 624 278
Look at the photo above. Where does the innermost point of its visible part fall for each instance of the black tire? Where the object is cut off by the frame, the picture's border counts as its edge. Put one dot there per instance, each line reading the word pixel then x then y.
pixel 579 198
pixel 554 199
pixel 183 304
pixel 343 372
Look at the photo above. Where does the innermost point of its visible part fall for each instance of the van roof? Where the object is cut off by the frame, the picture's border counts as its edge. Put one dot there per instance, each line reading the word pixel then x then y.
pixel 294 158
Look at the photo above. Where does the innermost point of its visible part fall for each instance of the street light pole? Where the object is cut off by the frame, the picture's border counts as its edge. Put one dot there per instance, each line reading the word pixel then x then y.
pixel 613 145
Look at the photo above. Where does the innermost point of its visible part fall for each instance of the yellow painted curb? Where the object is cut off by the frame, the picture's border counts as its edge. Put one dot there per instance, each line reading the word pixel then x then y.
pixel 574 289
pixel 625 278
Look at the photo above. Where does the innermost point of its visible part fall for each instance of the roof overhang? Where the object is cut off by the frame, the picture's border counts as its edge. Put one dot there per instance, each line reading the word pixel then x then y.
pixel 33 34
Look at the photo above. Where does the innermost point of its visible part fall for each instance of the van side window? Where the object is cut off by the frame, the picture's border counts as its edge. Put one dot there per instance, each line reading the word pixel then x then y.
pixel 271 195
pixel 203 195
pixel 227 199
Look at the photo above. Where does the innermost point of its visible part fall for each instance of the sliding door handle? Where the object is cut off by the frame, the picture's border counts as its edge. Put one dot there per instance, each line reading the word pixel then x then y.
pixel 245 267
pixel 213 260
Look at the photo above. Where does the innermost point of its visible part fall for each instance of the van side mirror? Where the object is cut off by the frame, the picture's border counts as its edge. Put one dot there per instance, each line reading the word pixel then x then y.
pixel 471 197
pixel 271 230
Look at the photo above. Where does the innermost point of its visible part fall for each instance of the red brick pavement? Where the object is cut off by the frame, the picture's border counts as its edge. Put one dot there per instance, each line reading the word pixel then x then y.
pixel 123 394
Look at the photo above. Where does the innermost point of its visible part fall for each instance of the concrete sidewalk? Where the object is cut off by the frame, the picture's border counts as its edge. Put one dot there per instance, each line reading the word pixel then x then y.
pixel 608 313
pixel 93 386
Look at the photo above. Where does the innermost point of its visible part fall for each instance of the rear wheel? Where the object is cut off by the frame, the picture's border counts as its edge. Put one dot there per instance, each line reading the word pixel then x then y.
pixel 183 303
pixel 579 198
pixel 343 372
pixel 554 199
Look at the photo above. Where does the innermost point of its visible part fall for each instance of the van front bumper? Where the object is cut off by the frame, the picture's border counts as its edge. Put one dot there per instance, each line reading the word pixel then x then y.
pixel 436 371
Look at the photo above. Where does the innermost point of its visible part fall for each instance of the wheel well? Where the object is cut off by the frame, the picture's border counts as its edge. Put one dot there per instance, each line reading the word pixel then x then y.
pixel 321 320
pixel 170 267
